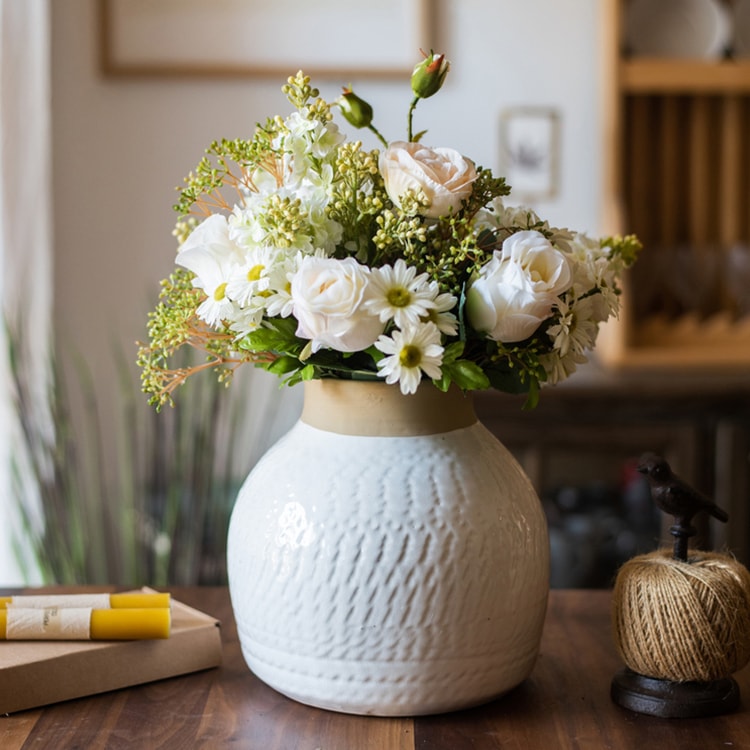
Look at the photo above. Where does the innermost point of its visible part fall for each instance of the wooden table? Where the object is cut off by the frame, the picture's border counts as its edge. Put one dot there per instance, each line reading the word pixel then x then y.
pixel 564 704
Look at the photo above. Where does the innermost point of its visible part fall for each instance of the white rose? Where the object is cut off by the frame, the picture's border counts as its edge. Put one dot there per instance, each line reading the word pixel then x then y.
pixel 212 256
pixel 539 262
pixel 212 237
pixel 516 290
pixel 327 295
pixel 442 174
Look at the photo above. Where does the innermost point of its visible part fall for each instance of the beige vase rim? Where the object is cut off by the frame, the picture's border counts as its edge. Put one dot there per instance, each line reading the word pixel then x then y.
pixel 371 408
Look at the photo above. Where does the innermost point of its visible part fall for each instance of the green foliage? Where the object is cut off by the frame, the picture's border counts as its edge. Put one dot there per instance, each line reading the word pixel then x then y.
pixel 298 188
pixel 172 324
pixel 161 518
pixel 626 248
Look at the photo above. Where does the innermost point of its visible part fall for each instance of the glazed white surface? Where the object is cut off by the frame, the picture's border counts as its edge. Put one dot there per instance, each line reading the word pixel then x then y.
pixel 389 576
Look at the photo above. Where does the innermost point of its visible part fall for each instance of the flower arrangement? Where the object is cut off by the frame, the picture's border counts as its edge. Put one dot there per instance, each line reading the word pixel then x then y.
pixel 307 255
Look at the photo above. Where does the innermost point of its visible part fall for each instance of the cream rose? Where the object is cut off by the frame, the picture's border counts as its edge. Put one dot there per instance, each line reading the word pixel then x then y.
pixel 327 296
pixel 442 174
pixel 516 290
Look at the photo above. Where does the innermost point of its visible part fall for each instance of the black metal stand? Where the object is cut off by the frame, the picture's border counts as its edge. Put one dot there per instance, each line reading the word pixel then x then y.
pixel 674 700
pixel 681 531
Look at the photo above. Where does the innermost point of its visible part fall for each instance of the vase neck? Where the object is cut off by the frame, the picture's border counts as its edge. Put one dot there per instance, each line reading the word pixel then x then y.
pixel 352 407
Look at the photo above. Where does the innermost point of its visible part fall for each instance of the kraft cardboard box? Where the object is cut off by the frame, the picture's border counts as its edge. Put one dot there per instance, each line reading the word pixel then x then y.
pixel 37 673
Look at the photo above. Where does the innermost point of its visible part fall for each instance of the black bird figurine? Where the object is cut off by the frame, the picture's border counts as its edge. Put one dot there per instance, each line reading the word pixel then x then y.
pixel 674 496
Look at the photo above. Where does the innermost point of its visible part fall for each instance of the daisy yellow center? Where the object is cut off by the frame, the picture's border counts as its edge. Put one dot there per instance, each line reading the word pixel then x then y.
pixel 254 273
pixel 399 297
pixel 410 356
pixel 220 292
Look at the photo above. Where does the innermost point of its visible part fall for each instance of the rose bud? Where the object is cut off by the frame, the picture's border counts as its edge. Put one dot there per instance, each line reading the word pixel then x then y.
pixel 357 111
pixel 428 76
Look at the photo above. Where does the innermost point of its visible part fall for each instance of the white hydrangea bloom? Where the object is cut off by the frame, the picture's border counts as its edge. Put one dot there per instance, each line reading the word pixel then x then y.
pixel 303 175
pixel 244 227
pixel 514 216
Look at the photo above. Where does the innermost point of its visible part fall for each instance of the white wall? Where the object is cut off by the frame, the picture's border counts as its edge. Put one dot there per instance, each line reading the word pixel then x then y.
pixel 25 241
pixel 121 146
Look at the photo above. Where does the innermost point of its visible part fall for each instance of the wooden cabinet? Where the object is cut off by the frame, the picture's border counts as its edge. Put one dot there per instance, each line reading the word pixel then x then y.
pixel 580 447
pixel 678 175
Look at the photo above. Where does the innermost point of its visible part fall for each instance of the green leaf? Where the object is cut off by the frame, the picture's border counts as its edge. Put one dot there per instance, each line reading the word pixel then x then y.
pixel 283 364
pixel 532 400
pixel 466 374
pixel 278 337
pixel 452 352
pixel 307 372
pixel 444 383
pixel 508 381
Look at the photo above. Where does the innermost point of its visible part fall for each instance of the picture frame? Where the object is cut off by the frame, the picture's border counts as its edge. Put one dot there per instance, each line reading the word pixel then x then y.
pixel 530 151
pixel 242 37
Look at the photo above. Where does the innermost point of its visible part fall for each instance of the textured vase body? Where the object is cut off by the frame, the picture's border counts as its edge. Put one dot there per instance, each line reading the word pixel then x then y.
pixel 388 556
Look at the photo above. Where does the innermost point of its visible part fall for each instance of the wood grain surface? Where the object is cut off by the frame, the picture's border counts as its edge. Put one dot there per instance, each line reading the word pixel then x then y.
pixel 564 704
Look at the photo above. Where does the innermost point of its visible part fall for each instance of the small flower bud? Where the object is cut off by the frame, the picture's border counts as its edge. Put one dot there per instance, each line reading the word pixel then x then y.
pixel 356 111
pixel 428 76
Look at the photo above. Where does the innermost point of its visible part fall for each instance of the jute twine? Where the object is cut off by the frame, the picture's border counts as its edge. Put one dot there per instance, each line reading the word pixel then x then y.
pixel 683 621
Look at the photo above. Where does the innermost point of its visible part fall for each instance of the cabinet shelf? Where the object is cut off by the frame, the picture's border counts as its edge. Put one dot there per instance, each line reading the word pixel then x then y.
pixel 654 76
pixel 678 176
pixel 715 344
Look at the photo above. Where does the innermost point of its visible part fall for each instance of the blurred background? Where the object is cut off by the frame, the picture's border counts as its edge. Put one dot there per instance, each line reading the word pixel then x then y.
pixel 107 104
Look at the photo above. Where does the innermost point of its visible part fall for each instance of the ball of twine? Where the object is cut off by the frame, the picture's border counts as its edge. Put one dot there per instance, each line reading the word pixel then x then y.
pixel 683 621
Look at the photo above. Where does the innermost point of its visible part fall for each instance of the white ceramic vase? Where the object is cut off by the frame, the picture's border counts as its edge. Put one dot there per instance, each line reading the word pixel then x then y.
pixel 388 556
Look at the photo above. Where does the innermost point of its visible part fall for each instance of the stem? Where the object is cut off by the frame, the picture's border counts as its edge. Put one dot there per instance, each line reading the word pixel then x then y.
pixel 412 107
pixel 378 134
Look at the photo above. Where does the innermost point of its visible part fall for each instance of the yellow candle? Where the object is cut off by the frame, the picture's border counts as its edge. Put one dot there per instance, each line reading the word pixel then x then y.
pixel 138 601
pixel 73 623
pixel 97 601
pixel 130 624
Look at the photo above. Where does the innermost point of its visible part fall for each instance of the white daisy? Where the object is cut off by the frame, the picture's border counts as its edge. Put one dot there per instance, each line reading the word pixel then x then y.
pixel 606 304
pixel 411 352
pixel 560 368
pixel 440 314
pixel 246 321
pixel 397 293
pixel 253 276
pixel 576 329
pixel 278 299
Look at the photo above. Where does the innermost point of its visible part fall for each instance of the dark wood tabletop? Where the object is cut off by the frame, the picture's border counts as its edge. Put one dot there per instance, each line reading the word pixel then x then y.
pixel 564 704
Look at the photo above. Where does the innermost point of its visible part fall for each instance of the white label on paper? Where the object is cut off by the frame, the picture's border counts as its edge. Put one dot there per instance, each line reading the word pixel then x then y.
pixel 49 624
pixel 41 601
